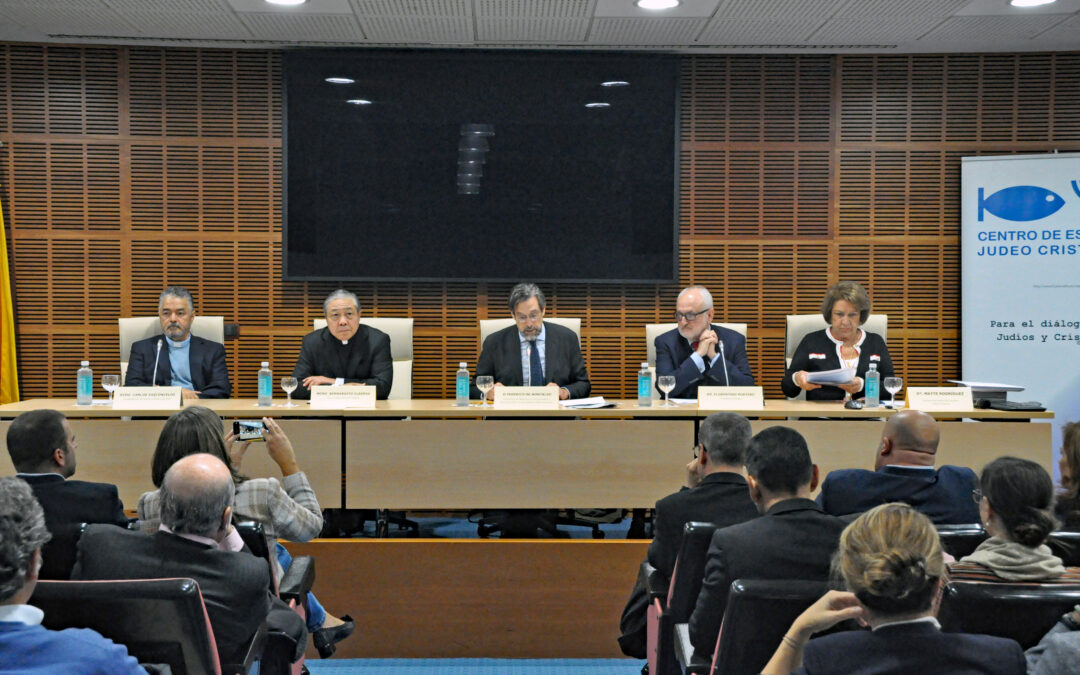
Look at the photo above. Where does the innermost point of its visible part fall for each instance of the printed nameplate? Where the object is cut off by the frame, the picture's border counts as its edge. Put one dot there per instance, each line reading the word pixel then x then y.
pixel 148 398
pixel 527 398
pixel 730 398
pixel 931 399
pixel 332 397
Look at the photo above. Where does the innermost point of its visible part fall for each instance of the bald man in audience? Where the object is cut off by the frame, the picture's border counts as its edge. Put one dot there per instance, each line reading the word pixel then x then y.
pixel 196 508
pixel 904 472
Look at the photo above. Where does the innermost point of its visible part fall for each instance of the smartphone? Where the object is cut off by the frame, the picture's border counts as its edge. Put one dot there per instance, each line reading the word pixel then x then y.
pixel 248 430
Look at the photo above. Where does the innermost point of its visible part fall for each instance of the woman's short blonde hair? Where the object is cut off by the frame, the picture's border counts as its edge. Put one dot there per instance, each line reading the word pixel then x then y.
pixel 1070 450
pixel 850 291
pixel 891 559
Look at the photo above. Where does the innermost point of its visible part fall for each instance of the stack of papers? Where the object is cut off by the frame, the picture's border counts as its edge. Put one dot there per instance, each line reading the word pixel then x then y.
pixel 581 403
pixel 838 376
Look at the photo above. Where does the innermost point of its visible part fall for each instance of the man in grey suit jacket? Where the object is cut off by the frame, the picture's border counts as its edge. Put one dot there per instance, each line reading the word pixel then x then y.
pixel 532 351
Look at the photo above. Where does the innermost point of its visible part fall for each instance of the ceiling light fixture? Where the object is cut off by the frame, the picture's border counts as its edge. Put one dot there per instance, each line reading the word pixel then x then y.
pixel 615 83
pixel 1029 3
pixel 597 105
pixel 657 5
pixel 340 80
pixel 359 101
pixel 287 3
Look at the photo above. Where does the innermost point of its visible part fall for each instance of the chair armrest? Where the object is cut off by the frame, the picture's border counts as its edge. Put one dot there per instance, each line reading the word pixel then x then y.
pixel 655 583
pixel 253 656
pixel 298 579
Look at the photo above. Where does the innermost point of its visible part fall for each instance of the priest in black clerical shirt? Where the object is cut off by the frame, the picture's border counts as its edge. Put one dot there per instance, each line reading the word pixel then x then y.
pixel 345 352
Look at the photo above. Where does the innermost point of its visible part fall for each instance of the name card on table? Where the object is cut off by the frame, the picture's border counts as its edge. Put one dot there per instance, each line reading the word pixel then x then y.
pixel 527 398
pixel 333 397
pixel 148 398
pixel 930 399
pixel 731 398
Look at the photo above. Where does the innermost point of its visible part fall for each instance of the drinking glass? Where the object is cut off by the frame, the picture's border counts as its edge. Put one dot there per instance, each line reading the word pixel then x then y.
pixel 666 384
pixel 893 385
pixel 289 385
pixel 484 383
pixel 110 383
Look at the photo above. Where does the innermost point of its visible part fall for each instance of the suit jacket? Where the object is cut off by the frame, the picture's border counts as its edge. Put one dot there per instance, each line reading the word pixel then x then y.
pixel 818 343
pixel 563 363
pixel 234 586
pixel 944 495
pixel 67 504
pixel 794 540
pixel 209 372
pixel 673 358
pixel 912 648
pixel 722 498
pixel 369 363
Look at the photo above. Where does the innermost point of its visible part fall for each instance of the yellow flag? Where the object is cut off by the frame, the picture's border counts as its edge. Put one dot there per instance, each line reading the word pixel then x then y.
pixel 9 374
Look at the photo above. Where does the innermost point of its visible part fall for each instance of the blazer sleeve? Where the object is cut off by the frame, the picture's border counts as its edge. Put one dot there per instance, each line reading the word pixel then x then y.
pixel 578 384
pixel 137 367
pixel 738 365
pixel 663 549
pixel 216 371
pixel 381 375
pixel 709 610
pixel 118 516
pixel 485 365
pixel 687 375
pixel 799 361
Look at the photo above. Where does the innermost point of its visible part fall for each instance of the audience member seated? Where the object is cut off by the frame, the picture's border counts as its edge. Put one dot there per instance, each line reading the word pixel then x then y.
pixel 715 492
pixel 1058 653
pixel 794 540
pixel 1015 498
pixel 891 560
pixel 42 448
pixel 287 509
pixel 904 472
pixel 196 498
pixel 1067 504
pixel 25 645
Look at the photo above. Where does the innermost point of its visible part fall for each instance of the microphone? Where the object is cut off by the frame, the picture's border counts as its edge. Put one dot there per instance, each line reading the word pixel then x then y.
pixel 727 382
pixel 156 356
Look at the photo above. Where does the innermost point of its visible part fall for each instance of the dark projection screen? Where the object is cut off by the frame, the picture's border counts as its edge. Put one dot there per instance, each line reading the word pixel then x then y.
pixel 479 165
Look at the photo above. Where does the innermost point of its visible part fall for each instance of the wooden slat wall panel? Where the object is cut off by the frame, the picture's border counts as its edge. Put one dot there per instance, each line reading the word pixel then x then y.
pixel 123 169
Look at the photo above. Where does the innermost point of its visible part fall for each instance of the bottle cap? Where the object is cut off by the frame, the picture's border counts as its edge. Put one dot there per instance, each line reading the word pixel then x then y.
pixel 265 364
pixel 84 363
pixel 462 365
pixel 645 365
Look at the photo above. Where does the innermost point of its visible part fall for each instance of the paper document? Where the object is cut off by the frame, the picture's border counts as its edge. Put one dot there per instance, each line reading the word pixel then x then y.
pixel 594 402
pixel 838 376
pixel 684 401
pixel 987 386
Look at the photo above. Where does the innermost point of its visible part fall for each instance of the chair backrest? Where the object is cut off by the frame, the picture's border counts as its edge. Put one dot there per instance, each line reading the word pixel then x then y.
pixel 59 554
pixel 1021 611
pixel 133 329
pixel 960 540
pixel 655 330
pixel 689 570
pixel 158 620
pixel 400 331
pixel 758 614
pixel 489 326
pixel 798 325
pixel 1066 545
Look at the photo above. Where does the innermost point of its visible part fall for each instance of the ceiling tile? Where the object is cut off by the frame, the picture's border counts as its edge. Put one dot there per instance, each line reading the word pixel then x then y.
pixel 531 30
pixel 421 8
pixel 525 9
pixel 627 9
pixel 303 27
pixel 839 31
pixel 727 31
pixel 646 31
pixel 430 29
pixel 982 30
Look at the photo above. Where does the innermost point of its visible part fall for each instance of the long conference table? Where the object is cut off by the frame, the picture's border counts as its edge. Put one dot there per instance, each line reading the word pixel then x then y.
pixel 425 454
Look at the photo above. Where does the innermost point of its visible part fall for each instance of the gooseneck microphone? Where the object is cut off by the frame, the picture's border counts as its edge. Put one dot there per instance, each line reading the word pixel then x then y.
pixel 157 355
pixel 727 382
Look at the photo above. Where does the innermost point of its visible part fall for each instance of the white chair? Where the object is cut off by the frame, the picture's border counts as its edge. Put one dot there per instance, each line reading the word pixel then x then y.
pixel 489 326
pixel 654 330
pixel 797 326
pixel 401 350
pixel 133 329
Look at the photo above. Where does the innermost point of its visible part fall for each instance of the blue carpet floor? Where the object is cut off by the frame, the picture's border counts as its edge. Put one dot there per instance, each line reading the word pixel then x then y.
pixel 476 666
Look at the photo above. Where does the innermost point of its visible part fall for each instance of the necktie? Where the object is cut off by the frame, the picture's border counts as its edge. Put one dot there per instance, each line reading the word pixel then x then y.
pixel 536 372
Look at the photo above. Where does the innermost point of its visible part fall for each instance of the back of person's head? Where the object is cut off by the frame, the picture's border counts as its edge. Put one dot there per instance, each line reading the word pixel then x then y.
pixel 1021 494
pixel 913 430
pixel 1070 455
pixel 779 459
pixel 195 492
pixel 726 437
pixel 22 531
pixel 189 431
pixel 891 559
pixel 32 438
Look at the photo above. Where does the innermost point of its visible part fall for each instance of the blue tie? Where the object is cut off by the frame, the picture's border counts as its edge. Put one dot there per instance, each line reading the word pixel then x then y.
pixel 536 372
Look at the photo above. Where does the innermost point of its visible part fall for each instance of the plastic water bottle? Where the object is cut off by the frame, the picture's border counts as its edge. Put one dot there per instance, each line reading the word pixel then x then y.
pixel 84 385
pixel 461 386
pixel 266 385
pixel 644 386
pixel 872 387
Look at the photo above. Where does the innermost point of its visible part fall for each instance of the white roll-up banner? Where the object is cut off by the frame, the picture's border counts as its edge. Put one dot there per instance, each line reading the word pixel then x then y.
pixel 1020 275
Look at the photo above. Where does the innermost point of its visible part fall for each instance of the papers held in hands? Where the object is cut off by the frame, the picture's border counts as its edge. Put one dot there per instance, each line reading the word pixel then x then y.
pixel 838 376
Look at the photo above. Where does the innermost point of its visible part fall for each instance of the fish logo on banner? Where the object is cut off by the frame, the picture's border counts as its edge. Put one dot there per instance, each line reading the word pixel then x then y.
pixel 1023 203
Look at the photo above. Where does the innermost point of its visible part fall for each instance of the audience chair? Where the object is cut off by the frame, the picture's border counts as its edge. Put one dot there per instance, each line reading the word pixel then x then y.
pixel 160 621
pixel 681 598
pixel 1066 545
pixel 59 554
pixel 133 329
pixel 401 350
pixel 1021 611
pixel 798 325
pixel 654 330
pixel 758 614
pixel 960 540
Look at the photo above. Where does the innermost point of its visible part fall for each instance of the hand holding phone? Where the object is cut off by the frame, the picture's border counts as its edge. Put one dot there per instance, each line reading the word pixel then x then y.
pixel 248 430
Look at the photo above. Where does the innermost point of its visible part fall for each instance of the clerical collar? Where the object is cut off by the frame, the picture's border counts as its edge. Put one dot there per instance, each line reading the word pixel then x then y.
pixel 344 342
pixel 182 343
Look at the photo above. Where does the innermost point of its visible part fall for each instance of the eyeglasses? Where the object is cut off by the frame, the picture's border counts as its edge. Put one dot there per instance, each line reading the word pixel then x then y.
pixel 690 316
pixel 976 495
pixel 695 450
pixel 521 318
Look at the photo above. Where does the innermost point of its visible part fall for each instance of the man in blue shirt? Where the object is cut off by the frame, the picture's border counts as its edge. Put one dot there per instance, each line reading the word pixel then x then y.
pixel 182 359
pixel 25 645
